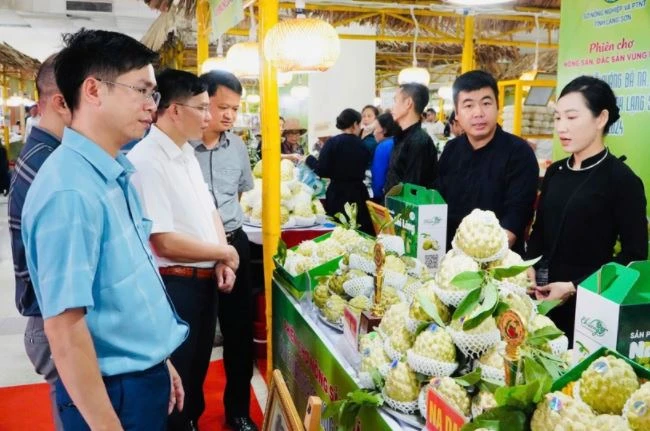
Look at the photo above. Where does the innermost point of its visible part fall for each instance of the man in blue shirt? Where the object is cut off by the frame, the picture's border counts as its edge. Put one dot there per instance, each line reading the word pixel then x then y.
pixel 107 316
pixel 43 139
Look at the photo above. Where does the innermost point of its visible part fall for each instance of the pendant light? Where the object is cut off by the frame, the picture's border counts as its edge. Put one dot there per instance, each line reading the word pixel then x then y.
pixel 216 63
pixel 244 57
pixel 415 74
pixel 302 44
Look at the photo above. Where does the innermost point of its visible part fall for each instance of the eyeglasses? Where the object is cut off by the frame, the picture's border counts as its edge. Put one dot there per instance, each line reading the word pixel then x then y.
pixel 204 109
pixel 147 95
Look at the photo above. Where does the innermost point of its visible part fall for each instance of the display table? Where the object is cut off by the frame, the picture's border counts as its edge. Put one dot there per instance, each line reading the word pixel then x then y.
pixel 291 236
pixel 315 360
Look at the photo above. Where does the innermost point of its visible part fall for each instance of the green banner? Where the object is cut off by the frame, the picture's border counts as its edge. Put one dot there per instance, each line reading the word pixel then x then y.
pixel 307 365
pixel 609 39
pixel 225 15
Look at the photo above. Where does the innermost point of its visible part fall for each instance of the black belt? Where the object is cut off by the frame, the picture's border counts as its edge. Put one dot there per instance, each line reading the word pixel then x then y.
pixel 230 236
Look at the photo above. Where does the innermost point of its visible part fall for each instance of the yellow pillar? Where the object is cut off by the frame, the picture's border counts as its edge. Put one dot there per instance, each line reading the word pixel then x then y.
pixel 21 115
pixel 270 111
pixel 202 33
pixel 5 111
pixel 441 109
pixel 519 96
pixel 467 62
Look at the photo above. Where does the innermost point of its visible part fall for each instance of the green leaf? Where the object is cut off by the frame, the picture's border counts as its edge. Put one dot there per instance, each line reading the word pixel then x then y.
pixel 486 309
pixel 543 307
pixel 500 272
pixel 430 308
pixel 502 307
pixel 469 379
pixel 543 335
pixel 468 304
pixel 346 410
pixel 423 326
pixel 468 280
pixel 509 419
pixel 281 254
pixel 523 397
pixel 377 378
pixel 489 385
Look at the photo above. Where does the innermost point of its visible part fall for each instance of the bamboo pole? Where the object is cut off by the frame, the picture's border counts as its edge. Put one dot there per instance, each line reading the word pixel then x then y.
pixel 467 62
pixel 269 109
pixel 202 33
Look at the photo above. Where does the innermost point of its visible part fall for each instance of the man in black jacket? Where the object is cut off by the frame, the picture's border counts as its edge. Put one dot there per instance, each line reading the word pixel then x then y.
pixel 4 171
pixel 414 158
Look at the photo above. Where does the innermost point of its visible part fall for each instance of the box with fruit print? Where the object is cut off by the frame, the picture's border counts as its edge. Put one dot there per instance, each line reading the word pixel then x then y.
pixel 613 310
pixel 422 223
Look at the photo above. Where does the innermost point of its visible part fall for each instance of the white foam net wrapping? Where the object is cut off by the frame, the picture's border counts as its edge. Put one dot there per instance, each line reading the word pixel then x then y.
pixel 342 266
pixel 391 352
pixel 365 380
pixel 305 221
pixel 506 286
pixel 474 345
pixel 412 324
pixel 410 290
pixel 392 243
pixel 417 270
pixel 394 279
pixel 356 261
pixel 422 401
pixel 491 373
pixel 321 218
pixel 559 345
pixel 407 407
pixel 289 224
pixel 449 297
pixel 429 367
pixel 359 286
pixel 255 221
pixel 496 256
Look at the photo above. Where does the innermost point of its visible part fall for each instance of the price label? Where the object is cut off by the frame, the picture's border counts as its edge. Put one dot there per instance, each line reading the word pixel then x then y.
pixel 440 415
pixel 351 327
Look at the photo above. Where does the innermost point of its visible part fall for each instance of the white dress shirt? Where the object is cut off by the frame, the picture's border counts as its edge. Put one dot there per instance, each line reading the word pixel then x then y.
pixel 172 191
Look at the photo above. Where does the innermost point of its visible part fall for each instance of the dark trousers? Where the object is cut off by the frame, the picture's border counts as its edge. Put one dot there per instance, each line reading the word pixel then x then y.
pixel 236 322
pixel 140 400
pixel 194 302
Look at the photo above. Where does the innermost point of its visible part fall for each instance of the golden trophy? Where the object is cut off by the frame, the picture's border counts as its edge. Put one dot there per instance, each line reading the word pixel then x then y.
pixel 371 319
pixel 513 333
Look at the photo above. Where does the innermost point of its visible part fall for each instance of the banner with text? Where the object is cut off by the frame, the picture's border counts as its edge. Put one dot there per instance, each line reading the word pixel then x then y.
pixel 609 39
pixel 225 15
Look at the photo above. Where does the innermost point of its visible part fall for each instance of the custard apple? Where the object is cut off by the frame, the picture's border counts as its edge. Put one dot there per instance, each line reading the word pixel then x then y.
pixel 389 297
pixel 307 248
pixel 538 322
pixel 415 268
pixel 435 343
pixel 285 191
pixel 257 170
pixel 522 305
pixel 453 393
pixel 394 319
pixel 284 215
pixel 512 259
pixel 370 339
pixel 317 207
pixel 482 402
pixel 451 265
pixel 610 423
pixel 493 358
pixel 401 339
pixel 256 213
pixel 373 357
pixel 329 249
pixel 480 235
pixel 395 264
pixel 360 303
pixel 488 325
pixel 333 309
pixel 303 209
pixel 561 412
pixel 286 170
pixel 638 408
pixel 321 295
pixel 417 312
pixel 335 283
pixel 607 384
pixel 402 383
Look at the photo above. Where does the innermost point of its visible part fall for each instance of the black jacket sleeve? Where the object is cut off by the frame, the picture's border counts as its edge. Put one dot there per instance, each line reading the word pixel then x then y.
pixel 421 161
pixel 323 164
pixel 630 215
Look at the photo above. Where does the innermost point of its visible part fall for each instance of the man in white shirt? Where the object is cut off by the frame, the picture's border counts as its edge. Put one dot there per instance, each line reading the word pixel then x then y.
pixel 33 120
pixel 187 233
pixel 432 125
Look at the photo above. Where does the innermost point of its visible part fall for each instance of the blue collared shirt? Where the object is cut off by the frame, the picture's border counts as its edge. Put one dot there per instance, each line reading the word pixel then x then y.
pixel 87 245
pixel 40 144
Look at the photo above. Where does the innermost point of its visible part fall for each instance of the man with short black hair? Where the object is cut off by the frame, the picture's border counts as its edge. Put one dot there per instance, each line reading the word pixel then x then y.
pixel 486 167
pixel 226 168
pixel 187 235
pixel 108 319
pixel 414 158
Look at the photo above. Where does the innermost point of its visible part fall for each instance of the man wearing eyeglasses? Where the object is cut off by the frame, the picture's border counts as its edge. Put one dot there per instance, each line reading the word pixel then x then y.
pixel 107 317
pixel 226 168
pixel 187 235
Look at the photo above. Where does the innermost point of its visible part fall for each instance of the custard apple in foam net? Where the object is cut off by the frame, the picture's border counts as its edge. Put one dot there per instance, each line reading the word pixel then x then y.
pixel 402 383
pixel 453 264
pixel 285 191
pixel 333 309
pixel 493 357
pixel 284 215
pixel 343 235
pixel 453 393
pixel 373 356
pixel 523 306
pixel 480 235
pixel 257 210
pixel 561 412
pixel 487 325
pixel 402 339
pixel 483 401
pixel 257 170
pixel 370 339
pixel 394 318
pixel 435 343
pixel 512 259
pixel 416 311
pixel 610 423
pixel 321 295
pixel 303 209
pixel 360 303
pixel 307 248
pixel 389 297
pixel 538 322
pixel 607 384
pixel 637 409
pixel 394 263
pixel 286 170
pixel 329 249
pixel 317 207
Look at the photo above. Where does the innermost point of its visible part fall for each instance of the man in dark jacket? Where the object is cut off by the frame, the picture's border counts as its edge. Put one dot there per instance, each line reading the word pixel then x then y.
pixel 4 171
pixel 414 158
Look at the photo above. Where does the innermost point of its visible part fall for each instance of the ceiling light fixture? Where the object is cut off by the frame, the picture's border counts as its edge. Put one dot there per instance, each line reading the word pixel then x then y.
pixel 415 74
pixel 244 57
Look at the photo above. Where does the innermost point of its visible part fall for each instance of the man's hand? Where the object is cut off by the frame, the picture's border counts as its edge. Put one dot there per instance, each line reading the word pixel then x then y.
pixel 225 277
pixel 177 393
pixel 561 290
pixel 232 259
pixel 511 238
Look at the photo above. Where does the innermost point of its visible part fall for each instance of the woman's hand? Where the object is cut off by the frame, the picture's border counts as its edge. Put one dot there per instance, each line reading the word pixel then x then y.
pixel 561 290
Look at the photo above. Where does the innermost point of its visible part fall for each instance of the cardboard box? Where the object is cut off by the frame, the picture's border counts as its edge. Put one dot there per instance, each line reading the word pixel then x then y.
pixel 613 310
pixel 423 222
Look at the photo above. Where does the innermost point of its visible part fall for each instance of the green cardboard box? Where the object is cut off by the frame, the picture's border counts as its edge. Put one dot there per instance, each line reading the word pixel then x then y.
pixel 613 310
pixel 423 222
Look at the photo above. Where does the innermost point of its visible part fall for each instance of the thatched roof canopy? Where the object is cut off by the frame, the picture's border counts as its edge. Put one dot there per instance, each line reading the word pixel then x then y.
pixel 12 60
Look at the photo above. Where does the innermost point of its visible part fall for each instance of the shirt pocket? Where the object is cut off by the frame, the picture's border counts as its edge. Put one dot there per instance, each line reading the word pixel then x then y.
pixel 227 181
